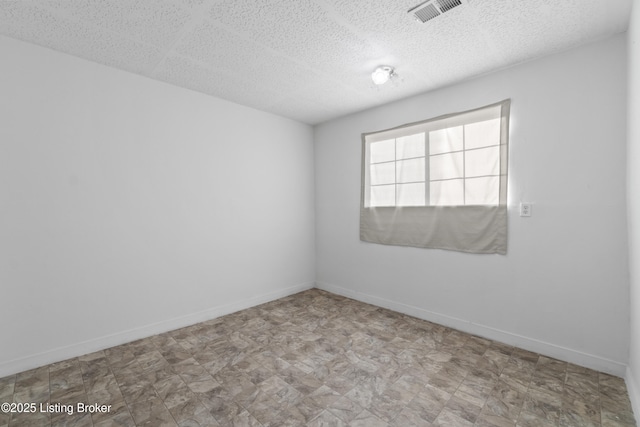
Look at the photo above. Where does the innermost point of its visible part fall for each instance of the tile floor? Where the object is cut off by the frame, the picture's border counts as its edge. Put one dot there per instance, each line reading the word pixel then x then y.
pixel 317 359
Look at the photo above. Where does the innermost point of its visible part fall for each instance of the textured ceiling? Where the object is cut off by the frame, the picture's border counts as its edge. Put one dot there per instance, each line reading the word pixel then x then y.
pixel 309 60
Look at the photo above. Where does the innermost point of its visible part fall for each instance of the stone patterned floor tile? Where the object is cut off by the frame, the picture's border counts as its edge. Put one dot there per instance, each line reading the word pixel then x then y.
pixel 318 359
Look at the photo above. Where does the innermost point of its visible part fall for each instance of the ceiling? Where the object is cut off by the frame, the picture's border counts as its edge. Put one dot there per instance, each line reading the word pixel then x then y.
pixel 310 60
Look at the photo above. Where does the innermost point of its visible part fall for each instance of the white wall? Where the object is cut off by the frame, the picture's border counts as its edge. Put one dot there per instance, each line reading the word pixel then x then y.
pixel 563 287
pixel 633 201
pixel 130 207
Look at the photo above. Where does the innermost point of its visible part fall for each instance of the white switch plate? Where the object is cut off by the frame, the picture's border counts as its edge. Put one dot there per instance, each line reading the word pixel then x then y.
pixel 525 209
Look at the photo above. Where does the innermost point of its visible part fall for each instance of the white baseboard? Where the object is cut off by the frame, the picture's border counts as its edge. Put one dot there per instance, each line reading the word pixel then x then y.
pixel 633 390
pixel 96 344
pixel 551 350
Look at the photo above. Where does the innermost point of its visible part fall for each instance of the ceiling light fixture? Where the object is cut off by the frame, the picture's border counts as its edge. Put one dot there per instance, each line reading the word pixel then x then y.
pixel 383 74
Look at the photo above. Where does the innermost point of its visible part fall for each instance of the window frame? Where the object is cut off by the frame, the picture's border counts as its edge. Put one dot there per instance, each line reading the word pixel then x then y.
pixel 479 228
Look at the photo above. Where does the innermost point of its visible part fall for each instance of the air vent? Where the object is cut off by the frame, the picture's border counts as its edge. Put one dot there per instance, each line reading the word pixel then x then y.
pixel 446 5
pixel 433 8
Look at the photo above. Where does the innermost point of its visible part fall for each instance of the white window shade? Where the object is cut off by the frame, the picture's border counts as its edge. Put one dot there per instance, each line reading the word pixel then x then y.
pixel 440 183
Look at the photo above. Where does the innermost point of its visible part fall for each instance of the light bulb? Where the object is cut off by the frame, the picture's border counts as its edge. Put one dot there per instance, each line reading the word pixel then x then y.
pixel 382 74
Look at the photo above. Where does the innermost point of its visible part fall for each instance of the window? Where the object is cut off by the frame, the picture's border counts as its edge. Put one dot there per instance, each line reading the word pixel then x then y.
pixel 458 161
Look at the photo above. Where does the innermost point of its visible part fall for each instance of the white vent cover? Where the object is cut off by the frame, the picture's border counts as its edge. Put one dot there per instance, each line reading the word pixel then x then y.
pixel 433 8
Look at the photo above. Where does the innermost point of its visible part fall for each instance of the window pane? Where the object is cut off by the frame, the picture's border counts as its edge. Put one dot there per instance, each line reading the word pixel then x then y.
pixel 410 170
pixel 411 194
pixel 382 151
pixel 410 146
pixel 482 134
pixel 482 191
pixel 445 140
pixel 384 195
pixel 446 166
pixel 383 173
pixel 485 161
pixel 447 193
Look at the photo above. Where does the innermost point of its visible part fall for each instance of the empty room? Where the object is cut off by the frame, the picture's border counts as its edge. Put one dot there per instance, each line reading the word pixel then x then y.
pixel 319 213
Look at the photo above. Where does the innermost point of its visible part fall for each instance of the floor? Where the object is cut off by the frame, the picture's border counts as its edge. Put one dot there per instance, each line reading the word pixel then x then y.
pixel 316 359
